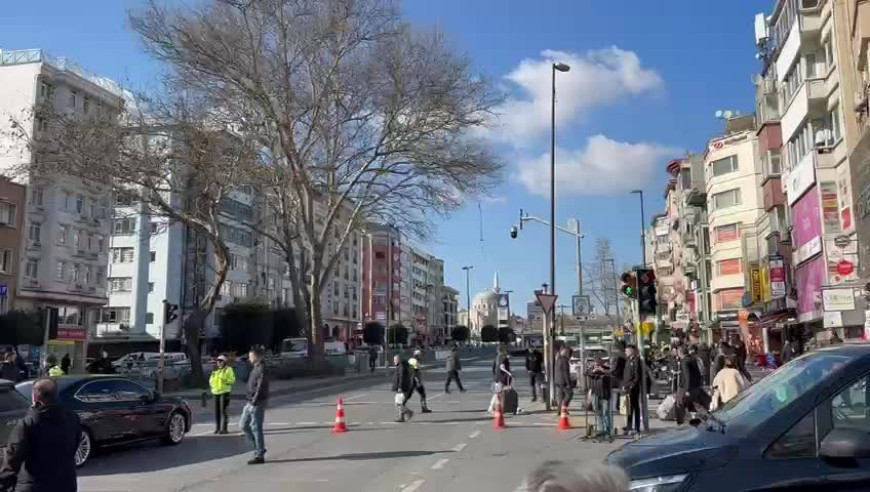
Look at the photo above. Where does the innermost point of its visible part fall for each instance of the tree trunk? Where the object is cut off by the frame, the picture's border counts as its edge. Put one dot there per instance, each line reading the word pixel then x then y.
pixel 316 330
pixel 191 333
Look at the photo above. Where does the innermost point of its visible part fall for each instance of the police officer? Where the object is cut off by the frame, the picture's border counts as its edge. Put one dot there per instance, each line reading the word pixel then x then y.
pixel 51 369
pixel 417 379
pixel 221 383
pixel 40 455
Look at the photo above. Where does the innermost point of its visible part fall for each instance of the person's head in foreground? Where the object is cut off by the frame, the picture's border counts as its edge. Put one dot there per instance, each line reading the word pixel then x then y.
pixel 558 476
pixel 44 392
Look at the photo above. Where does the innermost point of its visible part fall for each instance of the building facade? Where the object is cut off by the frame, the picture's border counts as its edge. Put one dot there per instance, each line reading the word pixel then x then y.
pixel 13 199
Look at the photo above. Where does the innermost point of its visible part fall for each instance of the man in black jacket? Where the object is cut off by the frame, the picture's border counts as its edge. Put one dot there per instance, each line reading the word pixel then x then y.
pixel 535 367
pixel 690 395
pixel 40 455
pixel 631 389
pixel 255 409
pixel 402 384
pixel 562 378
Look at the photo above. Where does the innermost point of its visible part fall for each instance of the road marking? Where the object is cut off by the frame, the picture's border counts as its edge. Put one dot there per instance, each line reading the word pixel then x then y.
pixel 459 447
pixel 277 423
pixel 200 434
pixel 389 423
pixel 414 485
pixel 474 434
pixel 439 395
pixel 351 398
pixel 306 423
pixel 440 464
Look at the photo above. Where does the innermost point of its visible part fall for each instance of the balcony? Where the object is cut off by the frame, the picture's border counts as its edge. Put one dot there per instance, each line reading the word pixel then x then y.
pixel 810 100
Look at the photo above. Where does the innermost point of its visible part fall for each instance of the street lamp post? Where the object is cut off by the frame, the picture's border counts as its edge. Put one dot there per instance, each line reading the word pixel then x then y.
pixel 468 295
pixel 643 400
pixel 548 337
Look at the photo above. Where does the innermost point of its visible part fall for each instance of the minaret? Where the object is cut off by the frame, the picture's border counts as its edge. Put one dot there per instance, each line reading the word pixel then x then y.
pixel 495 287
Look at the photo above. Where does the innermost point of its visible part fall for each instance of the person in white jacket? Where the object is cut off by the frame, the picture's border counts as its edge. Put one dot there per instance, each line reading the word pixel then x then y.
pixel 728 383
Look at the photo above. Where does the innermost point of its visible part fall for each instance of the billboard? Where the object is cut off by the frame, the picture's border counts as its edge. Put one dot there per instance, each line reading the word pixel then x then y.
pixel 807 226
pixel 809 279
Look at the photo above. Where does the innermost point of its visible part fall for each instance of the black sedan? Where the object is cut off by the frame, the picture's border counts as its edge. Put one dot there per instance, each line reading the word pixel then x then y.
pixel 804 427
pixel 115 410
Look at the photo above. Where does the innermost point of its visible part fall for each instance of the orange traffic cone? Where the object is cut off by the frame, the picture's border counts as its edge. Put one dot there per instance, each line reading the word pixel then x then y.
pixel 498 421
pixel 340 425
pixel 564 423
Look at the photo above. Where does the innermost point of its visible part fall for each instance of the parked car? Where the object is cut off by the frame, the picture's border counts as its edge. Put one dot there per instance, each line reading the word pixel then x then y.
pixel 13 407
pixel 805 426
pixel 116 410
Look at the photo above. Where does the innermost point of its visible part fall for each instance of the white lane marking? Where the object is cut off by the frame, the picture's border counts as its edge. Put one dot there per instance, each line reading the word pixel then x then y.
pixel 474 434
pixel 439 395
pixel 389 423
pixel 351 398
pixel 277 423
pixel 306 423
pixel 200 434
pixel 459 447
pixel 440 464
pixel 414 485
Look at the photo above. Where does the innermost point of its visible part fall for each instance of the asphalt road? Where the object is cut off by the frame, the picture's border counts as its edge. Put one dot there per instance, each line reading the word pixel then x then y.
pixel 454 448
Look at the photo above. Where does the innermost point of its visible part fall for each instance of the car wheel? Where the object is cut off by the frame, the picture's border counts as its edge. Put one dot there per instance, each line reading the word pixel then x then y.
pixel 85 449
pixel 175 428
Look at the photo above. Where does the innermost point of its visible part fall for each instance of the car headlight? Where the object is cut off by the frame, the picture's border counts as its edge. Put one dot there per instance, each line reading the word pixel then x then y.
pixel 667 483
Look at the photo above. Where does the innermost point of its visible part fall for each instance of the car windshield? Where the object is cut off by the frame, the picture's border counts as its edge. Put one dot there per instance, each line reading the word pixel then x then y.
pixel 764 399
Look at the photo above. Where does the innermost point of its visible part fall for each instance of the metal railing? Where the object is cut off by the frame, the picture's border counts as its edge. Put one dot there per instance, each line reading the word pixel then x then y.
pixel 20 57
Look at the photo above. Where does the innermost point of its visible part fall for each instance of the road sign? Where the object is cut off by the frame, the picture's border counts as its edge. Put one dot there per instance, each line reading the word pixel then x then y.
pixel 580 305
pixel 4 290
pixel 844 267
pixel 547 301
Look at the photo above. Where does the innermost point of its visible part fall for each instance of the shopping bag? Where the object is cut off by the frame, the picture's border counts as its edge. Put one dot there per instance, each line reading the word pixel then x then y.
pixel 399 399
pixel 666 410
pixel 623 404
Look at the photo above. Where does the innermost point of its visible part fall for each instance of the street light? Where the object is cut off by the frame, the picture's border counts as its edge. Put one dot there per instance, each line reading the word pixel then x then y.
pixel 468 295
pixel 548 342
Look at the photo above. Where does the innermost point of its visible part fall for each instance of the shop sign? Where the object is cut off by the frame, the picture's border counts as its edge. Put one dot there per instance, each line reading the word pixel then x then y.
pixel 74 334
pixel 842 260
pixel 833 319
pixel 765 285
pixel 830 207
pixel 806 215
pixel 800 179
pixel 755 278
pixel 809 279
pixel 838 300
pixel 777 277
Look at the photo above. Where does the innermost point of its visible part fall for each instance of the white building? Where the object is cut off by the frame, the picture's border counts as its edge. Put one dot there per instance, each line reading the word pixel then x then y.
pixel 68 220
pixel 421 305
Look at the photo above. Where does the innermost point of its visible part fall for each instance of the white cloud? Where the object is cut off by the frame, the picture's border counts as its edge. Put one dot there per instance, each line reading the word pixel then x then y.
pixel 596 78
pixel 603 167
pixel 495 200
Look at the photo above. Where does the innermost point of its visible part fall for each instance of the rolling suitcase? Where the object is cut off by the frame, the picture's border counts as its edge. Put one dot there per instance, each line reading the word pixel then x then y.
pixel 511 400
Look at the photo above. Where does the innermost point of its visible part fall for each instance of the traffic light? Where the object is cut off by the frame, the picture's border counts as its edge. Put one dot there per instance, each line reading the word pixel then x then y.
pixel 629 285
pixel 170 312
pixel 514 232
pixel 646 291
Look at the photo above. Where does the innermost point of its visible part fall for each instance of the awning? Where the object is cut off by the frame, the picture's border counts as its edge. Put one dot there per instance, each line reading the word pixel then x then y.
pixel 771 320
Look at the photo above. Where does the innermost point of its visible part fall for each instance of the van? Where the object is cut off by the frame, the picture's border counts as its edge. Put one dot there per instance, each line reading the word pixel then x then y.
pixel 334 348
pixel 294 347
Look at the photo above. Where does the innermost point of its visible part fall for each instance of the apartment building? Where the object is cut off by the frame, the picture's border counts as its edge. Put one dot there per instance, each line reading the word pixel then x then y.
pixel 733 191
pixel 68 220
pixel 13 198
pixel 449 309
pixel 662 257
pixel 381 274
pixel 805 49
pixel 422 280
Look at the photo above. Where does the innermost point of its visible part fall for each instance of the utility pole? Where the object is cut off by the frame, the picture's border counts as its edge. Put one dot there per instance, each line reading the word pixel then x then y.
pixel 468 295
pixel 640 342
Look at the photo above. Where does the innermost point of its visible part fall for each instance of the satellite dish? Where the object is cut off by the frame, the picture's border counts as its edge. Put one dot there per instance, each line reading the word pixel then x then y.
pixel 727 114
pixel 719 114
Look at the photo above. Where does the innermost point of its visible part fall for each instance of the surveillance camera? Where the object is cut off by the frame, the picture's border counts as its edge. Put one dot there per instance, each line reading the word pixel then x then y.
pixel 514 232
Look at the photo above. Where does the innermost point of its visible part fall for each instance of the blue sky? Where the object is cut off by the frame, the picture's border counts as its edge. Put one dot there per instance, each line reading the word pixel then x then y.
pixel 647 78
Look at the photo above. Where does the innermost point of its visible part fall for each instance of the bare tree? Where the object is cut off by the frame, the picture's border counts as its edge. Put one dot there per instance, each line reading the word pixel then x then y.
pixel 178 161
pixel 602 280
pixel 359 117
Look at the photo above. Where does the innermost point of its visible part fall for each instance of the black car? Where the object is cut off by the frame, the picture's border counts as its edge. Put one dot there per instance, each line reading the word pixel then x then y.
pixel 116 410
pixel 804 427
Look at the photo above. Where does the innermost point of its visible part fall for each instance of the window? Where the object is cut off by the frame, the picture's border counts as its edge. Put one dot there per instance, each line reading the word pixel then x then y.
pixel 243 289
pixel 724 166
pixel 60 270
pixel 76 273
pixel 125 226
pixel 730 299
pixel 797 442
pixel 829 52
pixel 726 199
pixel 34 232
pixel 271 283
pixel 31 270
pixel 36 196
pixel 73 99
pixel 93 209
pixel 810 62
pixel 728 267
pixel 100 243
pixel 86 278
pixel 80 204
pixel 46 90
pixel 226 288
pixel 149 318
pixel 77 239
pixel 848 408
pixel 90 243
pixel 116 315
pixel 122 255
pixel 101 274
pixel 62 232
pixel 120 284
pixel 150 287
pixel 152 256
pixel 126 390
pixel 6 261
pixel 774 164
pixel 123 200
pixel 86 105
pixel 66 201
pixel 97 392
pixel 7 214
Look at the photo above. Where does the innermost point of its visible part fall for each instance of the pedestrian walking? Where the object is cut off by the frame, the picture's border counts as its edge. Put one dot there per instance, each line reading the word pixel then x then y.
pixel 415 364
pixel 727 384
pixel 453 365
pixel 40 453
pixel 535 368
pixel 722 353
pixel 65 363
pixel 690 394
pixel 600 387
pixel 501 371
pixel 221 383
pixel 705 359
pixel 403 386
pixel 255 409
pixel 562 378
pixel 631 385
pixel 373 358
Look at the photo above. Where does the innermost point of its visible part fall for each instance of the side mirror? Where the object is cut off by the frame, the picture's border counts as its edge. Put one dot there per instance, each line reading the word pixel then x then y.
pixel 845 443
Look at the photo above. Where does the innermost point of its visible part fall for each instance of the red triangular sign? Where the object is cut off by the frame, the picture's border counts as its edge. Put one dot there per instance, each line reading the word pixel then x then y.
pixel 547 301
